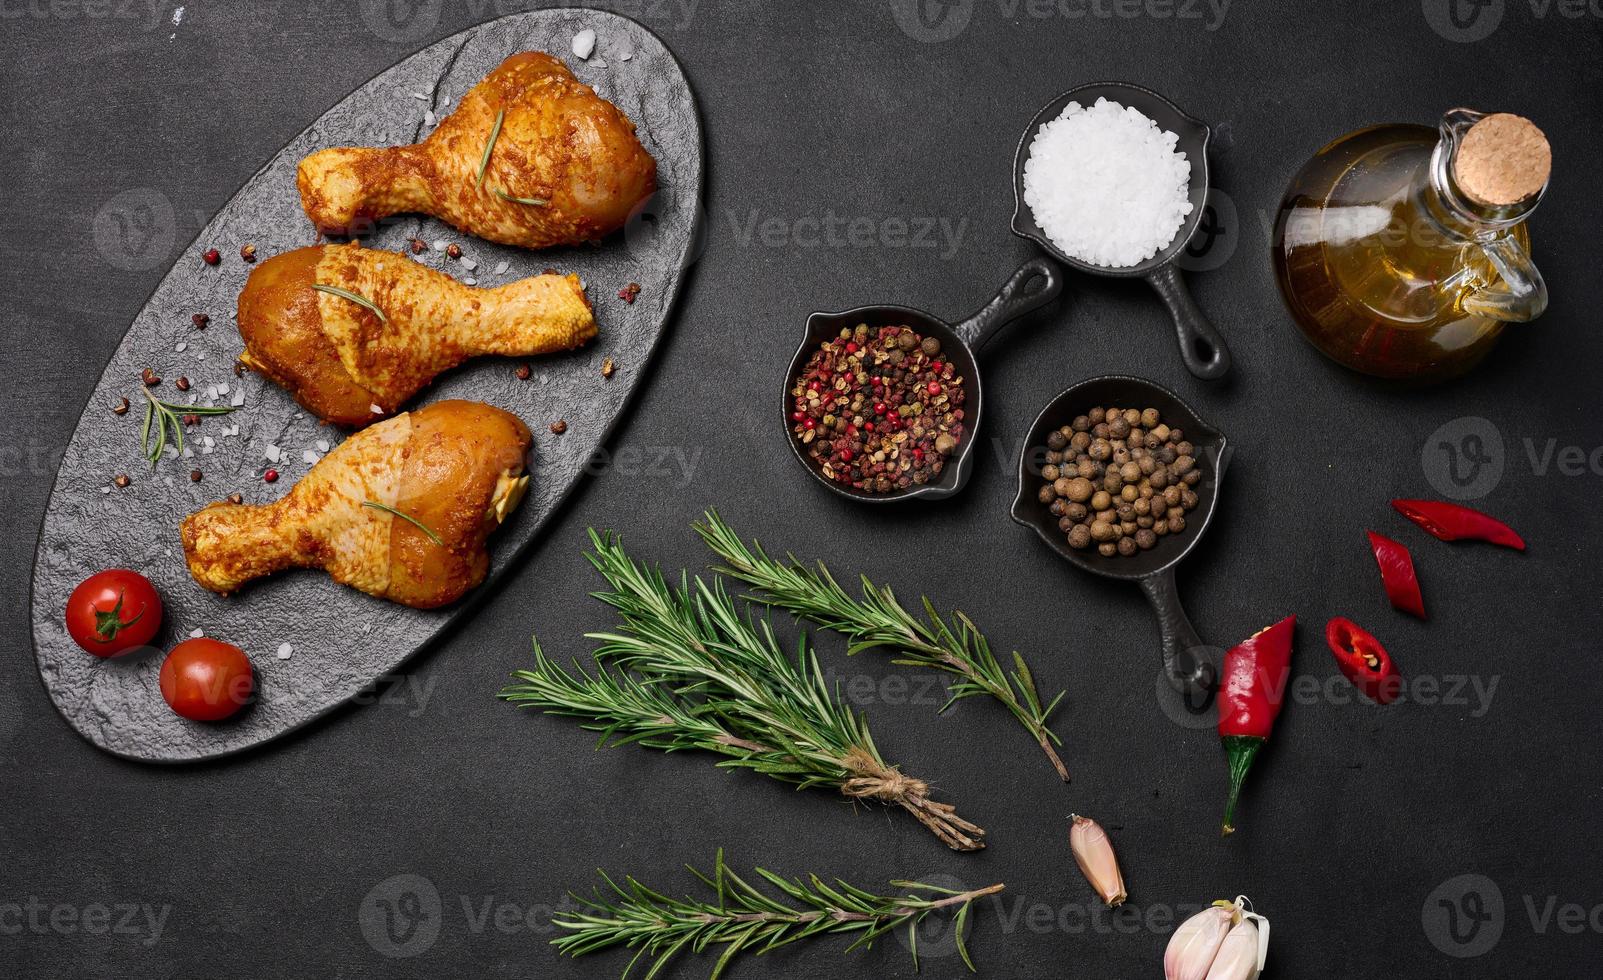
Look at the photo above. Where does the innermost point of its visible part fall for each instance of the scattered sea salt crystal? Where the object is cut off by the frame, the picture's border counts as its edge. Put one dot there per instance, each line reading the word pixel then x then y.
pixel 200 357
pixel 196 633
pixel 105 489
pixel 322 445
pixel 188 453
pixel 439 245
pixel 309 456
pixel 598 63
pixel 375 409
pixel 471 281
pixel 627 52
pixel 428 117
pixel 1106 184
pixel 584 43
pixel 284 651
pixel 418 96
pixel 502 266
pixel 181 347
pixel 207 441
pixel 238 399
pixel 469 264
pixel 222 389
pixel 272 453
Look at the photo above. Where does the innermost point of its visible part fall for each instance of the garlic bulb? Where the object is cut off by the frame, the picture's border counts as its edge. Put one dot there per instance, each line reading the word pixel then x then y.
pixel 1224 942
pixel 1093 852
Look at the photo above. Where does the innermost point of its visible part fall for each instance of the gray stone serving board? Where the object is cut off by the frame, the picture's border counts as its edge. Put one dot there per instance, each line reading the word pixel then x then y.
pixel 343 641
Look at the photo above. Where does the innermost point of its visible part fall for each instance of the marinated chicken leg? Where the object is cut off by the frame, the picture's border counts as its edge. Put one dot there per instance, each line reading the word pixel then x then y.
pixel 564 166
pixel 455 470
pixel 351 365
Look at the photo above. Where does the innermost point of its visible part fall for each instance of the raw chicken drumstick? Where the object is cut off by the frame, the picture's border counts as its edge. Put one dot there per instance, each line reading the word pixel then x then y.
pixel 455 468
pixel 351 365
pixel 564 167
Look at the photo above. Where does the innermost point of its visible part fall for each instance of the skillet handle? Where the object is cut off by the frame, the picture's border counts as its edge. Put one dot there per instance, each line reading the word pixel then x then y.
pixel 1036 283
pixel 1189 670
pixel 1201 346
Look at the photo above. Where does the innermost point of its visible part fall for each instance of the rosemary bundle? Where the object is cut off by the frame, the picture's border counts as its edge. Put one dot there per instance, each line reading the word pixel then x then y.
pixel 878 620
pixel 744 918
pixel 687 671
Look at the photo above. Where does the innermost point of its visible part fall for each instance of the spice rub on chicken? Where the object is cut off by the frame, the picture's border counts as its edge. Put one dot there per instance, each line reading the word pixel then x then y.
pixel 354 333
pixel 401 510
pixel 531 157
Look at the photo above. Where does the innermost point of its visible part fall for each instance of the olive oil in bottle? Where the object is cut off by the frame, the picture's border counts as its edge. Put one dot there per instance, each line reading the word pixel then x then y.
pixel 1402 251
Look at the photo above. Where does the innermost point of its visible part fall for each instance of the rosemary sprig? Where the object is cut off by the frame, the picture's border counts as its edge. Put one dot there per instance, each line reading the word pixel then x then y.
pixel 686 670
pixel 168 417
pixel 356 298
pixel 484 161
pixel 407 518
pixel 744 918
pixel 537 202
pixel 878 620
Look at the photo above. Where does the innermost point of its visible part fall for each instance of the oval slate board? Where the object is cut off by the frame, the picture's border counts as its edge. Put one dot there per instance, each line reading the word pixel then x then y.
pixel 342 640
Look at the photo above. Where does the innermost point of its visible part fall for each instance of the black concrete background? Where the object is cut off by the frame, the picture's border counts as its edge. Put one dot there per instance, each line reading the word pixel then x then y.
pixel 1358 822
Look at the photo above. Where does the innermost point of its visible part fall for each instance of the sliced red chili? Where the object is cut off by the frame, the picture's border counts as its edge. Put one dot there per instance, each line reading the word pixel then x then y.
pixel 1363 660
pixel 1452 522
pixel 1397 574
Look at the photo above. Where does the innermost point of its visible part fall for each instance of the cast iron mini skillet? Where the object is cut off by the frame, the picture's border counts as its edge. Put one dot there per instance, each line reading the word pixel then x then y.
pixel 1201 346
pixel 1035 284
pixel 1153 570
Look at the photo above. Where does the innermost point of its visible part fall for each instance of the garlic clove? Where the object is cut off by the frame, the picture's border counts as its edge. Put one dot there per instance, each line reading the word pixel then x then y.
pixel 1195 944
pixel 1093 852
pixel 1237 958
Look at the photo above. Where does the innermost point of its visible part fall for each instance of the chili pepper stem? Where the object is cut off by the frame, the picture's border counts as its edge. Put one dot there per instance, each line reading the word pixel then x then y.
pixel 1241 750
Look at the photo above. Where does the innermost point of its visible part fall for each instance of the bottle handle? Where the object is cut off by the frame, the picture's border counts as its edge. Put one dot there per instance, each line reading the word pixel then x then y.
pixel 1522 295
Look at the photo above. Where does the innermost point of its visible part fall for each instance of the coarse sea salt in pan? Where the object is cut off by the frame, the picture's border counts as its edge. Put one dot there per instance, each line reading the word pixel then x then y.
pixel 1106 184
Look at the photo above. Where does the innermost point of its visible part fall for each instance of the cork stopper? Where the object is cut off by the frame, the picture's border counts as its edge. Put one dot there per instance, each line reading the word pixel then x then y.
pixel 1503 159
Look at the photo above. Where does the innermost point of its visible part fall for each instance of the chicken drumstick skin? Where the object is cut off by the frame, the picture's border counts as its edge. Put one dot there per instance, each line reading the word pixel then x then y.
pixel 455 467
pixel 559 144
pixel 346 364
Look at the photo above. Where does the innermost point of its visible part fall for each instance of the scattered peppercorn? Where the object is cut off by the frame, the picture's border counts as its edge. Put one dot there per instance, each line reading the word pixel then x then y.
pixel 191 418
pixel 419 246
pixel 121 479
pixel 236 498
pixel 608 368
pixel 182 384
pixel 149 378
pixel 248 253
pixel 524 372
pixel 212 256
pixel 271 476
pixel 1120 479
pixel 200 320
pixel 877 409
pixel 559 426
pixel 629 293
pixel 454 250
pixel 194 476
pixel 121 408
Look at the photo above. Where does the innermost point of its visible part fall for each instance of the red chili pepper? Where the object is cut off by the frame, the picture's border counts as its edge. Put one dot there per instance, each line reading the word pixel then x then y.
pixel 1363 660
pixel 1397 574
pixel 1451 522
pixel 1256 673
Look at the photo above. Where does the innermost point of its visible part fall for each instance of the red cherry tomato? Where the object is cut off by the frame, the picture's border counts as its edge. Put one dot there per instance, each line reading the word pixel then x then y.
pixel 112 612
pixel 207 680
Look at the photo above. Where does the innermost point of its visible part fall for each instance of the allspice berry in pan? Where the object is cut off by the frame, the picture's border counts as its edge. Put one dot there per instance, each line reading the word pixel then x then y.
pixel 1119 479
